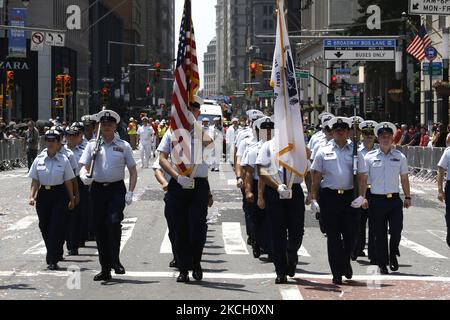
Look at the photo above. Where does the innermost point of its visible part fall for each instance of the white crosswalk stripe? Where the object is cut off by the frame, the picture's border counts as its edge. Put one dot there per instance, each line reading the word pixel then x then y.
pixel 23 223
pixel 290 293
pixel 303 252
pixel 37 249
pixel 166 246
pixel 232 238
pixel 127 229
pixel 424 251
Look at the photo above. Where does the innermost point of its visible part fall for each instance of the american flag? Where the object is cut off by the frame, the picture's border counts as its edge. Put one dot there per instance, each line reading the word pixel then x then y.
pixel 419 43
pixel 185 86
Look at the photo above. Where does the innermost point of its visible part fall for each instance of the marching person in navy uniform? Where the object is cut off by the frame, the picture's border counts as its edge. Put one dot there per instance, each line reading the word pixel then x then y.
pixel 367 145
pixel 74 139
pixel 444 194
pixel 163 179
pixel 188 198
pixel 52 192
pixel 263 129
pixel 384 166
pixel 286 211
pixel 333 173
pixel 108 190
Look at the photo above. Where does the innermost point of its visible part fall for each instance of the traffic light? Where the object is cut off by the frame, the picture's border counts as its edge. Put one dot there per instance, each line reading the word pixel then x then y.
pixel 148 90
pixel 67 84
pixel 157 69
pixel 260 69
pixel 333 82
pixel 9 82
pixel 59 86
pixel 253 68
pixel 105 96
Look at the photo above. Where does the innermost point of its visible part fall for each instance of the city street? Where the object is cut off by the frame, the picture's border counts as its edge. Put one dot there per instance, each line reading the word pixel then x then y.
pixel 231 272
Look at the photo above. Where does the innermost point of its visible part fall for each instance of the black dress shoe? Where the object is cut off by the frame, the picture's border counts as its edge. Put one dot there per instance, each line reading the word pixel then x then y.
pixel 256 251
pixel 73 252
pixel 383 270
pixel 173 264
pixel 280 280
pixel 393 263
pixel 337 280
pixel 119 269
pixel 348 272
pixel 53 266
pixel 183 277
pixel 103 276
pixel 197 273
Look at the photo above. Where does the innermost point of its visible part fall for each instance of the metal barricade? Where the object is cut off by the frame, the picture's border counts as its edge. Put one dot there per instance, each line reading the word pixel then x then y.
pixel 12 154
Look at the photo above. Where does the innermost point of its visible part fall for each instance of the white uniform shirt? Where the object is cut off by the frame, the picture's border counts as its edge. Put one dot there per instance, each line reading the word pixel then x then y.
pixel 111 160
pixel 51 171
pixel 146 134
pixel 336 166
pixel 444 162
pixel 166 146
pixel 384 170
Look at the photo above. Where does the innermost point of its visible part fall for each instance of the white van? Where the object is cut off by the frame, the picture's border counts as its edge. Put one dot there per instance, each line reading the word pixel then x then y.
pixel 210 109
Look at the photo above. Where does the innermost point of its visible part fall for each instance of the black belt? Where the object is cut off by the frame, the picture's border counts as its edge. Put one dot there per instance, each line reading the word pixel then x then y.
pixel 338 191
pixel 388 196
pixel 107 184
pixel 49 188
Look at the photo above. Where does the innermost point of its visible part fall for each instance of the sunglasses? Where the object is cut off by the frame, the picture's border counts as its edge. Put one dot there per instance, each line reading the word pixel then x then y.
pixel 368 133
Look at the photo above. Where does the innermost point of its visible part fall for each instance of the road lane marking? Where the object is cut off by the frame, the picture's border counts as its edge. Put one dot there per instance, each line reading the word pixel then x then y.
pixel 424 251
pixel 127 229
pixel 303 252
pixel 441 235
pixel 23 223
pixel 232 238
pixel 230 276
pixel 290 293
pixel 166 246
pixel 37 249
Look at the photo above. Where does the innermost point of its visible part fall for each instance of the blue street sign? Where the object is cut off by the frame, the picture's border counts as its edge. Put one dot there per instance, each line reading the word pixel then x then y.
pixel 431 53
pixel 364 43
pixel 17 42
pixel 359 49
pixel 355 88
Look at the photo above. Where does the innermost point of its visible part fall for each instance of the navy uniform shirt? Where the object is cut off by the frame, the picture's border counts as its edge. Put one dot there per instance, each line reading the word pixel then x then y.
pixel 111 160
pixel 384 170
pixel 166 146
pixel 336 166
pixel 51 171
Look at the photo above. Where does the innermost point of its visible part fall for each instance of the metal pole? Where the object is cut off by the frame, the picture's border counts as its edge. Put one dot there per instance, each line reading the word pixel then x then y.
pixel 445 60
pixel 402 111
pixel 430 112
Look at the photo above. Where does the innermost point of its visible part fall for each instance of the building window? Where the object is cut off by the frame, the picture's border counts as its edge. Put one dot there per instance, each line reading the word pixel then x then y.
pixel 265 24
pixel 265 10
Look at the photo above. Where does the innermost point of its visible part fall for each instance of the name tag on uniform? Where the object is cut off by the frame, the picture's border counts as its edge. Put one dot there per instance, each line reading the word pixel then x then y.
pixel 190 186
pixel 41 167
pixel 330 156
pixel 286 196
pixel 118 149
pixel 377 163
pixel 395 159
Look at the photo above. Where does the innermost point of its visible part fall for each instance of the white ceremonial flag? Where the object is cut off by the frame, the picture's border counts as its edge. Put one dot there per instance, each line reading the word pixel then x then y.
pixel 290 151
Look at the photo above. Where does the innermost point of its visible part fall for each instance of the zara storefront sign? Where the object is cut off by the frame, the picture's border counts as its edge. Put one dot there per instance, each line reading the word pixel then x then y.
pixel 14 65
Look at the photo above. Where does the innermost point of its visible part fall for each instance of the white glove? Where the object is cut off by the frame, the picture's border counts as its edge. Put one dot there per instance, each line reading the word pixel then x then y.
pixel 183 181
pixel 315 206
pixel 358 202
pixel 283 190
pixel 86 180
pixel 129 198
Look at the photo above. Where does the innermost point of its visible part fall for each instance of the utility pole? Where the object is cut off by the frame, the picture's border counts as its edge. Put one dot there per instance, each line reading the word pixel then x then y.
pixel 445 60
pixel 402 113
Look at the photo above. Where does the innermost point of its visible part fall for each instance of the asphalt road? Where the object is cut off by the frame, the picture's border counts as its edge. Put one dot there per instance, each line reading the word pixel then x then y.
pixel 230 271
